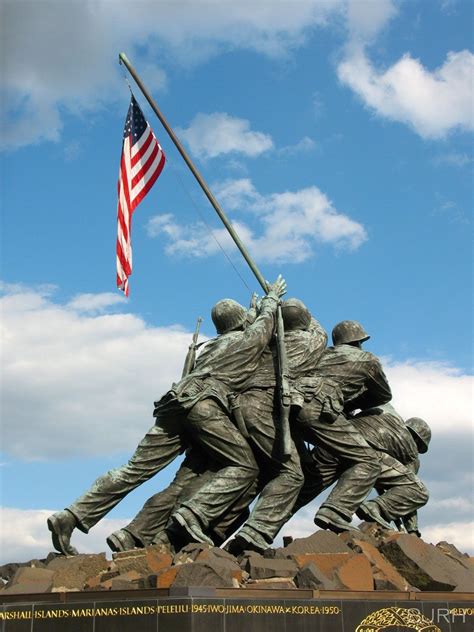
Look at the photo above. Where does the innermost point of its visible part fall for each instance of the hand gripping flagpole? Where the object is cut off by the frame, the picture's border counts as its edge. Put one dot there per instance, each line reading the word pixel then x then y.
pixel 284 388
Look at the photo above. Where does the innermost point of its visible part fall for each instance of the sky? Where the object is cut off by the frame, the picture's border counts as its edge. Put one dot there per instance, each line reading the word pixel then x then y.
pixel 336 135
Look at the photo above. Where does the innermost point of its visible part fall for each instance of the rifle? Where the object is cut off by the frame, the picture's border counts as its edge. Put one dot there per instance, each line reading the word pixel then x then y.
pixel 284 389
pixel 191 355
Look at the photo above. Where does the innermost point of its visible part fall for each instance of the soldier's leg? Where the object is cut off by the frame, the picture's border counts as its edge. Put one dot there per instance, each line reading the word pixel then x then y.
pixel 410 522
pixel 209 428
pixel 402 492
pixel 359 462
pixel 227 524
pixel 320 471
pixel 155 513
pixel 285 479
pixel 154 452
pixel 158 448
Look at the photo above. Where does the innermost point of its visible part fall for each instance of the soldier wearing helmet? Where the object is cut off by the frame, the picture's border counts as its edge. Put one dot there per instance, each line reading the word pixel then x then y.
pixel 358 373
pixel 279 486
pixel 195 410
pixel 349 332
pixel 402 493
pixel 345 379
pixel 420 432
pixel 277 490
pixel 228 315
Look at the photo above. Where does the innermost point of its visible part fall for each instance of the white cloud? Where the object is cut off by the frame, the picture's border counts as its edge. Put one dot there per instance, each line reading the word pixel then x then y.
pixel 457 503
pixel 433 103
pixel 212 135
pixel 39 85
pixel 25 535
pixel 461 534
pixel 107 363
pixel 305 145
pixel 89 380
pixel 288 225
pixel 365 20
pixel 453 159
pixel 448 6
pixel 95 302
pixel 439 393
pixel 79 383
pixel 62 56
pixel 195 240
pixel 457 529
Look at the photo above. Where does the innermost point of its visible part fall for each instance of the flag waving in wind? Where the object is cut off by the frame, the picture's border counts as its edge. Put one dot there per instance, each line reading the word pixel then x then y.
pixel 141 163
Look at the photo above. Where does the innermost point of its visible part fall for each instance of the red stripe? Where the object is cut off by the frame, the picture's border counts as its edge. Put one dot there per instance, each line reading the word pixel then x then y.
pixel 136 158
pixel 149 184
pixel 145 168
pixel 125 178
pixel 124 262
pixel 122 285
pixel 121 221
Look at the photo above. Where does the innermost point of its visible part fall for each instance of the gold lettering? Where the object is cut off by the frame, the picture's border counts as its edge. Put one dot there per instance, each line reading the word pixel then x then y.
pixel 462 611
pixel 12 615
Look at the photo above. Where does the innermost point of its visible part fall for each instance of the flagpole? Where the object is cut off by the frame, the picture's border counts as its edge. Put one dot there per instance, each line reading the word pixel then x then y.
pixel 285 436
pixel 124 60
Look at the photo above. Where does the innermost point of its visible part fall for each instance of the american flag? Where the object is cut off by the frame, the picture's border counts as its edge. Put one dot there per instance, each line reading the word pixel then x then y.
pixel 141 163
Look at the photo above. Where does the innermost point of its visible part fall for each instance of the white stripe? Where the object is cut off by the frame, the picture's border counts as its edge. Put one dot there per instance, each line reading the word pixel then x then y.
pixel 125 209
pixel 143 181
pixel 120 270
pixel 123 201
pixel 144 158
pixel 126 247
pixel 136 147
pixel 128 165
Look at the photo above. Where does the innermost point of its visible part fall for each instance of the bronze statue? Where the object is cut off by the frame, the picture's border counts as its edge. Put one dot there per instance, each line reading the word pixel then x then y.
pixel 278 482
pixel 194 411
pixel 401 492
pixel 346 378
pixel 231 458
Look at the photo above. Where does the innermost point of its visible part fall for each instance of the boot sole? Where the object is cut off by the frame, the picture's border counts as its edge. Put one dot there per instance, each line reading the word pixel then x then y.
pixel 327 525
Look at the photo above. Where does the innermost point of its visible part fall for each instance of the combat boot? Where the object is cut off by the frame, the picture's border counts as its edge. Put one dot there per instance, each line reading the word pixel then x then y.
pixel 121 540
pixel 245 542
pixel 185 519
pixel 329 519
pixel 370 511
pixel 62 524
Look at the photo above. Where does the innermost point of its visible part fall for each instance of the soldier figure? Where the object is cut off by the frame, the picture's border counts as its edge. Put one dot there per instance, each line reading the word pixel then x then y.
pixel 346 378
pixel 401 491
pixel 278 482
pixel 195 410
pixel 153 517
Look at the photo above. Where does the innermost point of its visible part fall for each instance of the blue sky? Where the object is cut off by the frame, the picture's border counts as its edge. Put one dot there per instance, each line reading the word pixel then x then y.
pixel 338 138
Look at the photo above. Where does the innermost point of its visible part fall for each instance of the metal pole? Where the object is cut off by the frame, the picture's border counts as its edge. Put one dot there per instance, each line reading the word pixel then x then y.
pixel 124 60
pixel 284 392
